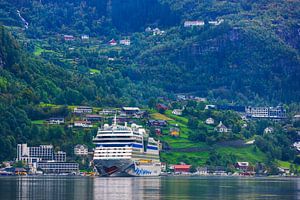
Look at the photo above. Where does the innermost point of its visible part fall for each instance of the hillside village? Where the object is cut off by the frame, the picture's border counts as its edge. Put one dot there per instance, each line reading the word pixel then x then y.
pixel 217 140
pixel 196 84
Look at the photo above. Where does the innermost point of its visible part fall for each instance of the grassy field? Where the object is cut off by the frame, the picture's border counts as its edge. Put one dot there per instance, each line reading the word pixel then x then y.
pixel 94 71
pixel 38 122
pixel 38 51
pixel 159 116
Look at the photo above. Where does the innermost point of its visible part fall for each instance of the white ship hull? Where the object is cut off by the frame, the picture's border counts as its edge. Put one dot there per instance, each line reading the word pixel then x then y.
pixel 126 167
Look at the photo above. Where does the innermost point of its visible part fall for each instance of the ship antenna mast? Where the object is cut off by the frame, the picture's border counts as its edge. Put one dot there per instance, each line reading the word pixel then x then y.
pixel 115 120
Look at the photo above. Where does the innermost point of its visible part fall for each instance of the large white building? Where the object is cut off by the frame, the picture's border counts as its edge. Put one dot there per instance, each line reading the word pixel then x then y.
pixel 266 112
pixel 81 150
pixel 40 153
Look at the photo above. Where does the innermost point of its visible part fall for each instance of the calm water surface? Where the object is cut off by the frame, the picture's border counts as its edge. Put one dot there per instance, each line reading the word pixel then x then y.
pixel 69 188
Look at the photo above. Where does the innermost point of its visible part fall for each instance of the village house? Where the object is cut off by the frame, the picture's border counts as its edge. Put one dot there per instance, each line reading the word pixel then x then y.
pixel 269 130
pixel 193 23
pixel 221 128
pixel 123 119
pixel 161 106
pixel 157 123
pixel 69 37
pixel 174 131
pixel 83 109
pixel 163 167
pixel 148 29
pixel 284 171
pixel 297 145
pixel 177 112
pixel 81 150
pixel 108 112
pixel 210 121
pixel 242 166
pixel 83 124
pixel 208 107
pixel 158 132
pixel 93 118
pixel 183 168
pixel 56 120
pixel 112 42
pixel 140 114
pixel 217 22
pixel 85 37
pixel 202 171
pixel 296 117
pixel 157 31
pixel 200 99
pixel 130 110
pixel 125 42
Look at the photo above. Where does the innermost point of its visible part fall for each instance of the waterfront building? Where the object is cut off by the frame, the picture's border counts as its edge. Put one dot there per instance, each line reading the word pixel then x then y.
pixel 81 150
pixel 181 168
pixel 60 156
pixel 40 153
pixel 58 167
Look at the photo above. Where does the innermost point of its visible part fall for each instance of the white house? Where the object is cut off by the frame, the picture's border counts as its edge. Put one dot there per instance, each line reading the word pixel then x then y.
pixel 209 121
pixel 83 109
pixel 125 42
pixel 85 37
pixel 56 120
pixel 296 117
pixel 217 22
pixel 207 107
pixel 177 112
pixel 81 150
pixel 157 31
pixel 269 130
pixel 221 128
pixel 193 23
pixel 297 145
pixel 83 124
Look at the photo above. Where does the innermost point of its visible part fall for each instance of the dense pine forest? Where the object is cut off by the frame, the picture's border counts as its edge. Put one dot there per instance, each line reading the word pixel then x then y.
pixel 245 53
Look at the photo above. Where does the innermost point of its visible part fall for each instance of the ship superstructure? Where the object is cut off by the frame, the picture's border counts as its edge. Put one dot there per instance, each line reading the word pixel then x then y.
pixel 126 151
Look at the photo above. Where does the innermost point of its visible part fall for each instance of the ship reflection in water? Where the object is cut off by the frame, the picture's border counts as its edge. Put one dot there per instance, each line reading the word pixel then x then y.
pixel 113 188
pixel 127 188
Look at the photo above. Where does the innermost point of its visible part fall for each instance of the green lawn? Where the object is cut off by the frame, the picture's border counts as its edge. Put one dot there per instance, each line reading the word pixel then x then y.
pixel 94 71
pixel 247 154
pixel 38 51
pixel 38 122
pixel 195 158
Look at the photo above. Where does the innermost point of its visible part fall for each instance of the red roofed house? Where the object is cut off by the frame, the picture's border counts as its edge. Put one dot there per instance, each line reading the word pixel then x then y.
pixel 69 37
pixel 112 42
pixel 161 106
pixel 181 168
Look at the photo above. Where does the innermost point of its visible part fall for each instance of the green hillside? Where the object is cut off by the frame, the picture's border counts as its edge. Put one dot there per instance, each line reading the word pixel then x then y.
pixel 243 53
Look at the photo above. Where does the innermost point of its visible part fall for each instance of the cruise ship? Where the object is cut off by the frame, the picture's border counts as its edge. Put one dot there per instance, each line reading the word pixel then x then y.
pixel 123 150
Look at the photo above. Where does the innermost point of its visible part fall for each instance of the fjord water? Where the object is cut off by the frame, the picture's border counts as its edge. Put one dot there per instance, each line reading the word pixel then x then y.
pixel 69 188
